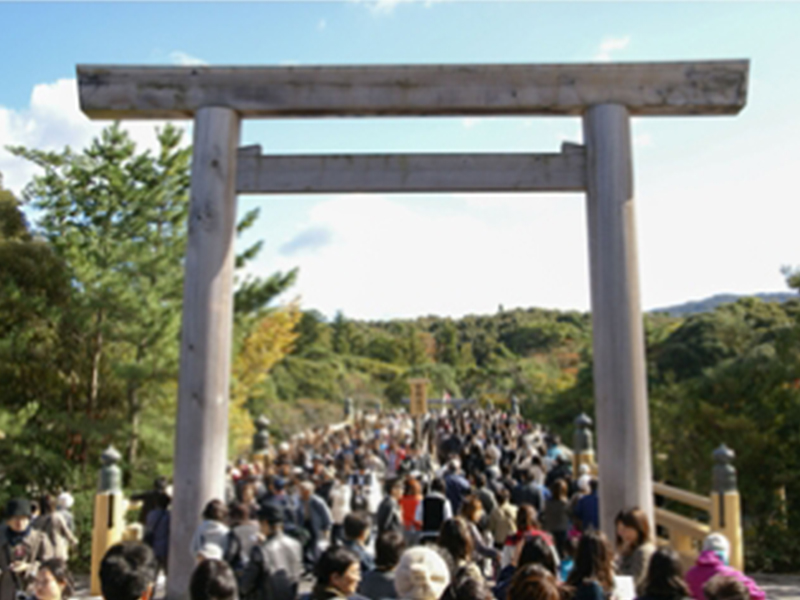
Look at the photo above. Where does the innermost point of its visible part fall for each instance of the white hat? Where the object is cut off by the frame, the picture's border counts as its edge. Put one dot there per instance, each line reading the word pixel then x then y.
pixel 65 500
pixel 210 551
pixel 421 575
pixel 719 544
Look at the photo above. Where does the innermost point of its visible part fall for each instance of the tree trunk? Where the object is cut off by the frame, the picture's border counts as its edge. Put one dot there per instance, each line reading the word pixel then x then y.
pixel 94 387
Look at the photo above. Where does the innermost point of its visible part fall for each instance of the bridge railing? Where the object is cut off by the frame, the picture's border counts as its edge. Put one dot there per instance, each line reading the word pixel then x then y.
pixel 720 511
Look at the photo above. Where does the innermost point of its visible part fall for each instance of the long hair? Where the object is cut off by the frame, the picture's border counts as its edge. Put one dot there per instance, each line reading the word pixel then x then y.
pixel 534 582
pixel 454 536
pixel 665 575
pixel 634 518
pixel 593 560
pixel 536 551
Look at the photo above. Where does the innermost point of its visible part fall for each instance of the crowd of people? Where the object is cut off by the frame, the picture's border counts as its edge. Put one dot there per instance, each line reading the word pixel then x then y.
pixel 458 505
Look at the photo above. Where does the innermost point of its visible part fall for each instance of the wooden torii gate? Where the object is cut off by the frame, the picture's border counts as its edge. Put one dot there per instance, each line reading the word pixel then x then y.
pixel 218 98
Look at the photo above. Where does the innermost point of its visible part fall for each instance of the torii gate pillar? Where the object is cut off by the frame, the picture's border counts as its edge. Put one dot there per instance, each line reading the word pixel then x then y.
pixel 201 437
pixel 623 427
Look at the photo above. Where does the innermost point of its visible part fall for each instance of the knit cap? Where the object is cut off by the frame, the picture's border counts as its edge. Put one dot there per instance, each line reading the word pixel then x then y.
pixel 421 575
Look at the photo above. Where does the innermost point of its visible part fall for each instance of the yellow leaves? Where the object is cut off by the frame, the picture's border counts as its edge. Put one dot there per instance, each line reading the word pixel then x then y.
pixel 267 343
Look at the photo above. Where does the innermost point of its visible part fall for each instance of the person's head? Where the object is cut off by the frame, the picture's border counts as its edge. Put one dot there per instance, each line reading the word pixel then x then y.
pixel 338 568
pixel 559 489
pixel 388 548
pixel 160 484
pixel 466 587
pixel 719 545
pixel 480 480
pixel 306 490
pixel 128 572
pixel 393 487
pixel 503 496
pixel 720 587
pixel 438 486
pixel 454 536
pixel 472 509
pixel 270 518
pixel 65 501
pixel 47 504
pixel 633 528
pixel 527 517
pixel 239 513
pixel 413 487
pixel 422 574
pixel 215 511
pixel 535 550
pixel 213 580
pixel 593 560
pixel 356 526
pixel 18 514
pixel 52 581
pixel 665 575
pixel 534 582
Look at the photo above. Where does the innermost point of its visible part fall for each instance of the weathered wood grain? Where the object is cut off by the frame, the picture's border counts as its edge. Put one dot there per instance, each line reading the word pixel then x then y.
pixel 201 431
pixel 409 173
pixel 620 377
pixel 668 88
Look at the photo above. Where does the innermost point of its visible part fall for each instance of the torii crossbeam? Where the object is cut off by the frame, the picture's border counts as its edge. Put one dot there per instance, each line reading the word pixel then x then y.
pixel 218 98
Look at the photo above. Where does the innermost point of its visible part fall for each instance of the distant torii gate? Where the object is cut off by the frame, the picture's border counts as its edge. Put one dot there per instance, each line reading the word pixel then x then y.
pixel 218 98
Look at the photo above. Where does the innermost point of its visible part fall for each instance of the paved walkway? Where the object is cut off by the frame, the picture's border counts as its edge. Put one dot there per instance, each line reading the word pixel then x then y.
pixel 779 587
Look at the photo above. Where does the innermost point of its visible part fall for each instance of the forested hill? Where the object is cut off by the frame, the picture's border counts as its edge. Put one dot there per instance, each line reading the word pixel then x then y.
pixel 707 304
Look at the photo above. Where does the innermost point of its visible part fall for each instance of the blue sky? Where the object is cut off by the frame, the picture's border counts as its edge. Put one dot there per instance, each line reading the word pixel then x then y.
pixel 717 202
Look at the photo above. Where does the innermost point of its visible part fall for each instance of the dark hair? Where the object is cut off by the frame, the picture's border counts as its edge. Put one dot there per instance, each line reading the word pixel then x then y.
pixel 720 587
pixel 454 536
pixel 58 568
pixel 213 580
pixel 634 518
pixel 559 489
pixel 665 575
pixel 534 582
pixel 537 551
pixel 355 524
pixel 46 504
pixel 593 560
pixel 238 512
pixel 470 507
pixel 391 484
pixel 215 511
pixel 388 548
pixel 334 561
pixel 503 495
pixel 465 587
pixel 480 480
pixel 127 571
pixel 526 517
pixel 163 500
pixel 438 485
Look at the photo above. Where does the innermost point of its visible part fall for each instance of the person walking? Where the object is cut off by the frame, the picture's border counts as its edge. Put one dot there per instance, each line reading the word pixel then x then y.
pixel 275 565
pixel 22 549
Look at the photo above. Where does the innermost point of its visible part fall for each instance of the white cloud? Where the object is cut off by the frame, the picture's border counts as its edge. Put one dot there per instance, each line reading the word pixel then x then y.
pixel 53 120
pixel 642 140
pixel 392 256
pixel 322 24
pixel 386 7
pixel 184 59
pixel 609 45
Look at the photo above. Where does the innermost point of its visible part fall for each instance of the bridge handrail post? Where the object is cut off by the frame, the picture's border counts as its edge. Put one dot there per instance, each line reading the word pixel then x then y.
pixel 726 514
pixel 583 445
